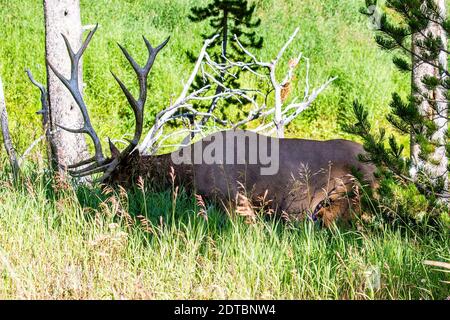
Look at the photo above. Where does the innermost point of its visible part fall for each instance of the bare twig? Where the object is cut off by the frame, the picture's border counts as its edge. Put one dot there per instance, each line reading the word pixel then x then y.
pixel 32 146
pixel 165 115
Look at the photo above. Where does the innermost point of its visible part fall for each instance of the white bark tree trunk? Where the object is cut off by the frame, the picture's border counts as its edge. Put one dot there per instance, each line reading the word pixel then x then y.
pixel 63 17
pixel 437 166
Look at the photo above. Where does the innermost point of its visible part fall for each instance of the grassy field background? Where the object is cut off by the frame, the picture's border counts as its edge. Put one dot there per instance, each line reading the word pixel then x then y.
pixel 82 243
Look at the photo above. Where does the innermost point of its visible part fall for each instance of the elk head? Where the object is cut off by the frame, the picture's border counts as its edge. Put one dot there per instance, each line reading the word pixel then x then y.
pixel 98 162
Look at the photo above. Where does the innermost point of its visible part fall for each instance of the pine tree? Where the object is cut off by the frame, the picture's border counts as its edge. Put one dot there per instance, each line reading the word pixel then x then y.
pixel 228 18
pixel 416 31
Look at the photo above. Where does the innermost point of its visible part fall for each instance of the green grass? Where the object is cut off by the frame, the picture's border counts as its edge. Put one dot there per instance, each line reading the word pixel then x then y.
pixel 92 245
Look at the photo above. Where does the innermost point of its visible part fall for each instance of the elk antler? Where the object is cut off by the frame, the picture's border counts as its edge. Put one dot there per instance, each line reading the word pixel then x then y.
pixel 98 163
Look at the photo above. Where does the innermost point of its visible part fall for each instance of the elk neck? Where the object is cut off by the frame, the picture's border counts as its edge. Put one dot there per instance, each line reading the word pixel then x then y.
pixel 158 170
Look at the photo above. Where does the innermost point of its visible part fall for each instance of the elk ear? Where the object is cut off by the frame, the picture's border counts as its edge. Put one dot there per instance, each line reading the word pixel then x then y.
pixel 114 151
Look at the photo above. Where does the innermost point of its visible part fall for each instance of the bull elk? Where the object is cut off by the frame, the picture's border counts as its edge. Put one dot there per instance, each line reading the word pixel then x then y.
pixel 296 176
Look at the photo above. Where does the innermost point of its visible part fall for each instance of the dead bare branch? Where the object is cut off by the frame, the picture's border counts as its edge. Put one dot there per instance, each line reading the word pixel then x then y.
pixel 273 116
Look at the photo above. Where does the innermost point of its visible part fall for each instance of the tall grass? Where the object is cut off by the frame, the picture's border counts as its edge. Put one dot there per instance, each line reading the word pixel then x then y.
pixel 145 244
pixel 332 34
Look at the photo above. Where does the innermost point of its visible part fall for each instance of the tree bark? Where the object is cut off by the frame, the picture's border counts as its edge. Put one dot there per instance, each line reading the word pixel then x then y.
pixel 5 133
pixel 63 17
pixel 436 167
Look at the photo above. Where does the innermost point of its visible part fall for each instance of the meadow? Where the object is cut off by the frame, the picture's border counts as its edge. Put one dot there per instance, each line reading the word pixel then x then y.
pixel 79 243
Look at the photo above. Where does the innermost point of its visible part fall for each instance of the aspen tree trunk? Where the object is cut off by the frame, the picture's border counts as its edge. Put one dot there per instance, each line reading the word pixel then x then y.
pixel 437 166
pixel 63 17
pixel 5 133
